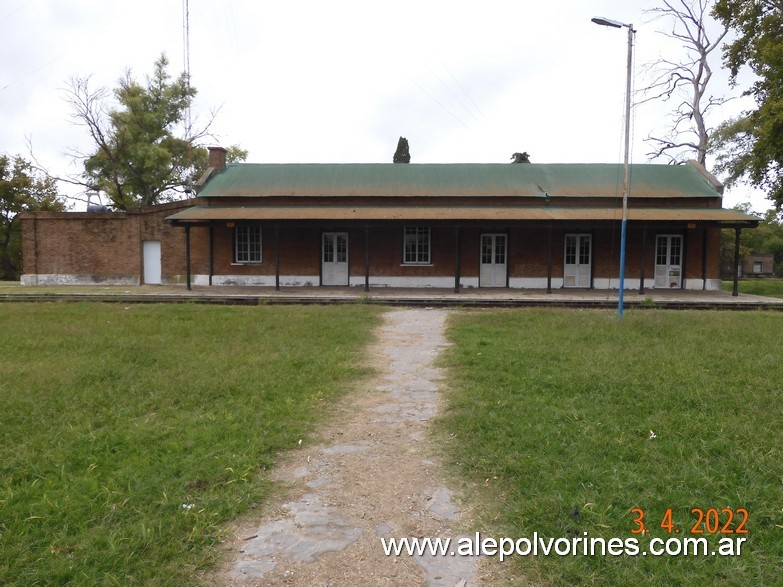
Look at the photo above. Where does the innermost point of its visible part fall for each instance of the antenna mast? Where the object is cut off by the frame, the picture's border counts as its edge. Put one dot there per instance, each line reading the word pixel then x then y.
pixel 186 42
pixel 188 115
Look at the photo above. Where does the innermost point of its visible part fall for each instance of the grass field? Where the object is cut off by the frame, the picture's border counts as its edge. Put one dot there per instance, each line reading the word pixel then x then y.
pixel 549 419
pixel 760 287
pixel 132 435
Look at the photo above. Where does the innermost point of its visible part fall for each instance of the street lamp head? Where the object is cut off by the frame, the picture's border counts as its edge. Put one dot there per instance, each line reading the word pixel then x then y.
pixel 608 22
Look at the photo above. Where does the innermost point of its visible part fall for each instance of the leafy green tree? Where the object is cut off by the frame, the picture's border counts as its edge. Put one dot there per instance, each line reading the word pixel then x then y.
pixel 750 147
pixel 145 150
pixel 22 189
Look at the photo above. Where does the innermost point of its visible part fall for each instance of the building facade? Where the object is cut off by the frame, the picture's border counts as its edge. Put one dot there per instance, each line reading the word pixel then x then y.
pixel 401 225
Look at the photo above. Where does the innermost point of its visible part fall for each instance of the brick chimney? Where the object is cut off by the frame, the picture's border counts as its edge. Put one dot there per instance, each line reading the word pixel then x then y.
pixel 217 159
pixel 216 162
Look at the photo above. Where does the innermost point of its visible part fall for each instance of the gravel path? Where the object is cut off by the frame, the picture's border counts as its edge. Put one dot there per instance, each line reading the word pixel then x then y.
pixel 376 475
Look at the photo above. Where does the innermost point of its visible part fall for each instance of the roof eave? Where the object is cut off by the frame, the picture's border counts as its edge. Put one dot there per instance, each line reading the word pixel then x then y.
pixel 713 181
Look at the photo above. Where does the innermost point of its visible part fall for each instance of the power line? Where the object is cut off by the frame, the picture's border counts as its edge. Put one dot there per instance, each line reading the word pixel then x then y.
pixel 28 74
pixel 464 91
pixel 453 95
pixel 14 11
pixel 438 102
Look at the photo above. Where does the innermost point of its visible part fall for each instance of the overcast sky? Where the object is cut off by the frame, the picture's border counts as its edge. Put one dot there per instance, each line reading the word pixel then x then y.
pixel 313 81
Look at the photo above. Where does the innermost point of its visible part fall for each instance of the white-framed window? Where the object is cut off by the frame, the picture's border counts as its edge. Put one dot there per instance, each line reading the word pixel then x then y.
pixel 416 245
pixel 758 266
pixel 247 244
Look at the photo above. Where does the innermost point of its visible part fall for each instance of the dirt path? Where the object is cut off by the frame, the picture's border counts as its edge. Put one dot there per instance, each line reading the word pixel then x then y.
pixel 377 475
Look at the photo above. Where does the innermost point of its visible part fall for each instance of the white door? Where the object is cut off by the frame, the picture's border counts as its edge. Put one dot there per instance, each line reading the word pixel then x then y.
pixel 576 271
pixel 493 260
pixel 334 258
pixel 151 251
pixel 668 261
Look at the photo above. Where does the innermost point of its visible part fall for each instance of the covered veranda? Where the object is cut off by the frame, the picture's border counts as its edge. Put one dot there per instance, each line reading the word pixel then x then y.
pixel 643 222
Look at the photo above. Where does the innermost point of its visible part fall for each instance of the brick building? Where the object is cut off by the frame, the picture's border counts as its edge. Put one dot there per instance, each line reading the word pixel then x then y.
pixel 404 225
pixel 758 265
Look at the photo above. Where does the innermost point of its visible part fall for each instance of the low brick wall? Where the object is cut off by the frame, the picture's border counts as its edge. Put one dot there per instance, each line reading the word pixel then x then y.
pixel 79 248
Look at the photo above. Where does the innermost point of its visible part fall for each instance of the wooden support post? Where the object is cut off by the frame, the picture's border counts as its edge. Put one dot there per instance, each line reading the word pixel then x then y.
pixel 366 258
pixel 549 260
pixel 277 258
pixel 641 267
pixel 684 259
pixel 211 253
pixel 704 260
pixel 737 231
pixel 187 256
pixel 457 259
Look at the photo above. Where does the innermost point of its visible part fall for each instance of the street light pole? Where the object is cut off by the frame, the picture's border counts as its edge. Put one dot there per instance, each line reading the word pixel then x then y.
pixel 627 181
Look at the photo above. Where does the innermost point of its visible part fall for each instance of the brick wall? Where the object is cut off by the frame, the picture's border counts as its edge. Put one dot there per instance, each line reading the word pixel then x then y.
pixel 102 247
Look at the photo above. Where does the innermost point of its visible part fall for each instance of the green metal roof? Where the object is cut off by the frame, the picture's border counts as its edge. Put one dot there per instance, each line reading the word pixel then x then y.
pixel 459 179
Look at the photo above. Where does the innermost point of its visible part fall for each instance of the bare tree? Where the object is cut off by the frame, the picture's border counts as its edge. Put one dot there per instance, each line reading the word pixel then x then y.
pixel 685 80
